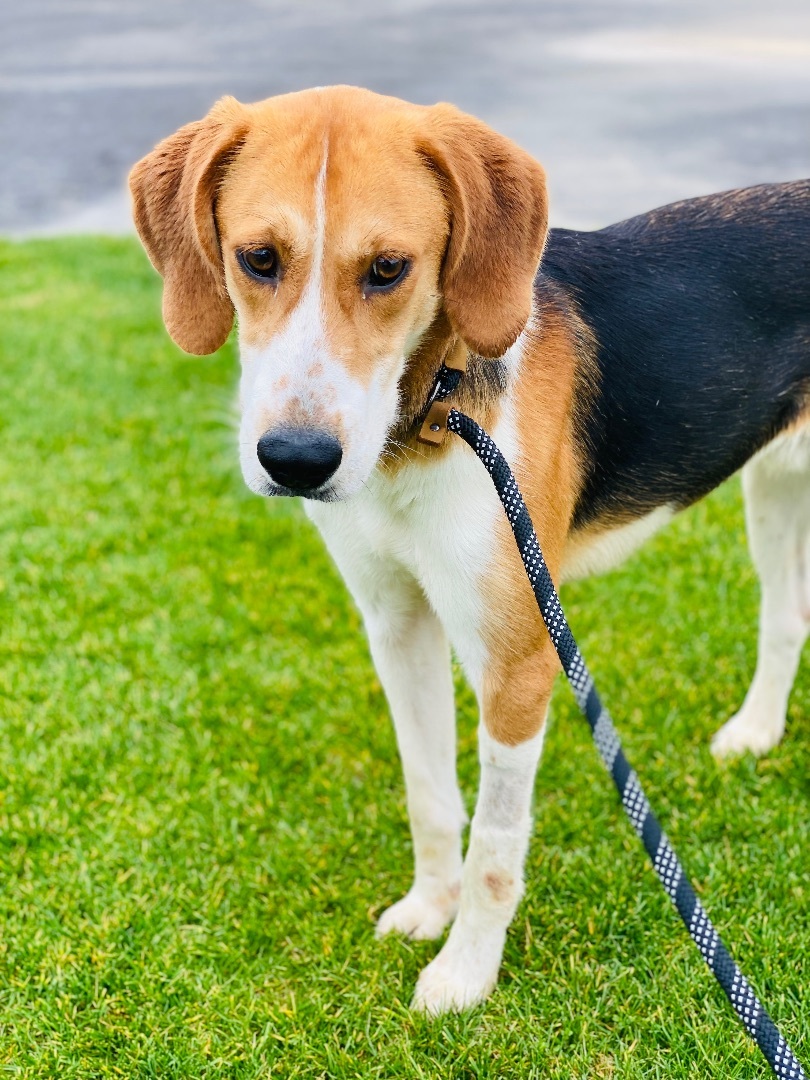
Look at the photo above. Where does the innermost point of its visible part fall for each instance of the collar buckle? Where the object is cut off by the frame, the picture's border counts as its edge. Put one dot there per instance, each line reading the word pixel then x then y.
pixel 434 424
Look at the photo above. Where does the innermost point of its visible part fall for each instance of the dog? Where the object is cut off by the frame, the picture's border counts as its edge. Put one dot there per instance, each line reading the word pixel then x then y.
pixel 625 373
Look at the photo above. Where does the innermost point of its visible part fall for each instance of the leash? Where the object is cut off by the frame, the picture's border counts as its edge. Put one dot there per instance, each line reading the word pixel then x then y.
pixel 441 418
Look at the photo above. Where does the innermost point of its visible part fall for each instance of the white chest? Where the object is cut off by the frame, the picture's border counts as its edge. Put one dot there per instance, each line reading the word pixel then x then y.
pixel 436 524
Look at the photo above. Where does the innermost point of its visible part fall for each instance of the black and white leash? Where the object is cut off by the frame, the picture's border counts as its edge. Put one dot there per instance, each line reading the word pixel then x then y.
pixel 667 865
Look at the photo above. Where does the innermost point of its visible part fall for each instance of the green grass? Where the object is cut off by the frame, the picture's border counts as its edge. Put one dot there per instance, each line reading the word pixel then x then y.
pixel 201 808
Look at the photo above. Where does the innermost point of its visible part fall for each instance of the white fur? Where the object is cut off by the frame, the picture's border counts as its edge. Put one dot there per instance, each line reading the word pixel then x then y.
pixel 466 969
pixel 597 554
pixel 414 549
pixel 412 658
pixel 436 525
pixel 298 366
pixel 298 346
pixel 411 581
pixel 777 495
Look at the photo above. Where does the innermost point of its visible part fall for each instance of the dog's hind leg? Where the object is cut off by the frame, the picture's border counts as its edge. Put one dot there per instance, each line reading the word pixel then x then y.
pixel 776 484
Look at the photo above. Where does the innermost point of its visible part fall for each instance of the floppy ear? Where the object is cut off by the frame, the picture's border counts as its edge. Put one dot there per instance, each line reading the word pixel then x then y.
pixel 174 190
pixel 496 194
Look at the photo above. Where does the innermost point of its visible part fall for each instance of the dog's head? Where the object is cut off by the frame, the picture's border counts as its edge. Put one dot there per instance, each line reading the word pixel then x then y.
pixel 344 229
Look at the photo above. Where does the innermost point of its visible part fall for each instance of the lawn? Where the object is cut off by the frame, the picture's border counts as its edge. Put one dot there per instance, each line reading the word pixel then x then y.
pixel 201 807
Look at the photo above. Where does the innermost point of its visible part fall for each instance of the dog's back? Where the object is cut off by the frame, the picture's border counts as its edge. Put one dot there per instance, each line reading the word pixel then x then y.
pixel 701 316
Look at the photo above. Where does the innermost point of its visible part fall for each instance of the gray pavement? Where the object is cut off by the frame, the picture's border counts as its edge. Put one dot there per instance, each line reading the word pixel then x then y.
pixel 628 103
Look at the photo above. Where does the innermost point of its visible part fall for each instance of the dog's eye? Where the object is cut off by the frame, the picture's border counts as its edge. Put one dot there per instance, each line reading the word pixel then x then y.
pixel 260 262
pixel 386 270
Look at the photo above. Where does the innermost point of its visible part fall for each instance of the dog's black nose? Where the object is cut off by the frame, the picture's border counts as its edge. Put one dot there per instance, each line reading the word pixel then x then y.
pixel 300 459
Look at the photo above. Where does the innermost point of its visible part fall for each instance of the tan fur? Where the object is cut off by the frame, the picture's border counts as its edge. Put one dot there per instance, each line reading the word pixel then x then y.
pixel 268 197
pixel 413 181
pixel 731 205
pixel 523 664
pixel 499 886
pixel 174 190
pixel 467 207
pixel 497 198
pixel 332 180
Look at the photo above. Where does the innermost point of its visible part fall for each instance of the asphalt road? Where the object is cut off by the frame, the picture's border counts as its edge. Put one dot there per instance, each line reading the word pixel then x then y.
pixel 628 103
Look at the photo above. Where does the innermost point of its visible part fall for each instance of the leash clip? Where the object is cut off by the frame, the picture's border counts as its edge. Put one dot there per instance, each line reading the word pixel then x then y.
pixel 434 424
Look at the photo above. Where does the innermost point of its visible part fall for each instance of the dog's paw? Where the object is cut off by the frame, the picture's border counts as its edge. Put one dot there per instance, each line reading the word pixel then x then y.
pixel 419 916
pixel 747 732
pixel 458 978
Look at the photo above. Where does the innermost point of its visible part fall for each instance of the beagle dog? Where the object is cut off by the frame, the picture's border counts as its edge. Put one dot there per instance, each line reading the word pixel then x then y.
pixel 624 373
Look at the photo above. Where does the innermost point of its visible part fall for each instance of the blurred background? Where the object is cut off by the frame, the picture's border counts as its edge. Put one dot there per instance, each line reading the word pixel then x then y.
pixel 628 103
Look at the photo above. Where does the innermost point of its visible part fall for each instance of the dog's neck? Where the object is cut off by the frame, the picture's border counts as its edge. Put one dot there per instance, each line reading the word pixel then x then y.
pixel 479 391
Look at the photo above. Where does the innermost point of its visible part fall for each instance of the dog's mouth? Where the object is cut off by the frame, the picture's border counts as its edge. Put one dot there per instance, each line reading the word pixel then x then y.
pixel 326 493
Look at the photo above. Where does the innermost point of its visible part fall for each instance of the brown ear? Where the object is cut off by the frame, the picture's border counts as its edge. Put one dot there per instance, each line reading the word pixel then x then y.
pixel 498 222
pixel 174 190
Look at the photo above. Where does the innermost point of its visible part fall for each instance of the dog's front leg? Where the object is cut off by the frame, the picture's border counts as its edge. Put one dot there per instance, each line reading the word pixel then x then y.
pixel 412 658
pixel 514 707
